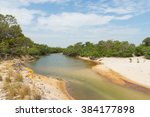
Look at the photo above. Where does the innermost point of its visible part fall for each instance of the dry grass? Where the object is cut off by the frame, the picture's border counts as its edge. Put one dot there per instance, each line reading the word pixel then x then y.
pixel 16 89
pixel 15 76
pixel 1 79
pixel 10 73
pixel 36 95
pixel 20 91
pixel 18 78
pixel 7 79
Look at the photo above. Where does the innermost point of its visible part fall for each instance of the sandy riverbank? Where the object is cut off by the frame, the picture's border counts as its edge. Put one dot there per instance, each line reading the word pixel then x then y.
pixel 47 87
pixel 135 70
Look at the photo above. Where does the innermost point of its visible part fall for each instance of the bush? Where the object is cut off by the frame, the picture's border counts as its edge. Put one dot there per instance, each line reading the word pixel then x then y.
pixel 147 55
pixel 33 51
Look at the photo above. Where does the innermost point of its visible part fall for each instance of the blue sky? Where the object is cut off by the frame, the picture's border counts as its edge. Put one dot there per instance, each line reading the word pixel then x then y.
pixel 65 22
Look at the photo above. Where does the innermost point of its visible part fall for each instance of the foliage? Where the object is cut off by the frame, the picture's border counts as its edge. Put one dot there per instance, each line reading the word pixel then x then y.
pixel 101 49
pixel 147 54
pixel 109 49
pixel 143 50
pixel 146 41
pixel 33 51
pixel 14 43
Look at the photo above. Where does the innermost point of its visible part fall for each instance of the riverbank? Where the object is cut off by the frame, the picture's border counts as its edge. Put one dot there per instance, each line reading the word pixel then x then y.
pixel 135 70
pixel 19 82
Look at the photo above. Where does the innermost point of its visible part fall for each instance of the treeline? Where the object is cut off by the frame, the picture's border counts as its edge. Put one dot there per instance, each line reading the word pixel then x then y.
pixel 109 49
pixel 144 48
pixel 14 43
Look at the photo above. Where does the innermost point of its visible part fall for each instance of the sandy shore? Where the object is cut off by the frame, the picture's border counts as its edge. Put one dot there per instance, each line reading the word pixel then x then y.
pixel 49 88
pixel 135 70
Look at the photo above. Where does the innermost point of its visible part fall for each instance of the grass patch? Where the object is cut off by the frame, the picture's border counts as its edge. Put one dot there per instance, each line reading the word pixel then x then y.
pixel 16 89
pixel 7 80
pixel 18 78
pixel 1 79
pixel 20 91
pixel 10 73
pixel 36 95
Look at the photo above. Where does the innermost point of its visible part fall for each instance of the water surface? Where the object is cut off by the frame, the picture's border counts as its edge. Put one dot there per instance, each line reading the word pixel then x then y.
pixel 81 81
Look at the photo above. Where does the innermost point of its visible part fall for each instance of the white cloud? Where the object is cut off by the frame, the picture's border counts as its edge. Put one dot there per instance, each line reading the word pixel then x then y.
pixel 68 21
pixel 16 8
pixel 72 20
pixel 91 34
pixel 120 7
pixel 119 10
pixel 27 2
pixel 24 16
pixel 75 26
pixel 125 17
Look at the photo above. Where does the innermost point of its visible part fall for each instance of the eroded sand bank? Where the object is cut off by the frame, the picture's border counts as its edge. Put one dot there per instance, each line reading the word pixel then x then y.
pixel 48 87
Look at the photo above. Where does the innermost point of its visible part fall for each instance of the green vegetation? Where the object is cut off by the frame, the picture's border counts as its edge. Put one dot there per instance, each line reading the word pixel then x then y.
pixel 101 49
pixel 144 48
pixel 146 41
pixel 109 49
pixel 14 43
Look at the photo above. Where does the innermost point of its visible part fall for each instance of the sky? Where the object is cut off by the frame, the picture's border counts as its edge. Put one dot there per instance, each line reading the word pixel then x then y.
pixel 59 23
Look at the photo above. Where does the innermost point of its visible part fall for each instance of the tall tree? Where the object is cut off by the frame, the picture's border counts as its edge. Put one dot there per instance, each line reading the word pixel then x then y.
pixel 146 41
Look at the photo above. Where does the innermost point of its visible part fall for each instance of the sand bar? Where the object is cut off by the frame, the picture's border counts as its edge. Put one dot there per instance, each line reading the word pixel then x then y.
pixel 135 69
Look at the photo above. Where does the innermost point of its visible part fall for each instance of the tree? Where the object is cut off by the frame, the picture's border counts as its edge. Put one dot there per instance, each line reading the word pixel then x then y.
pixel 147 54
pixel 14 43
pixel 102 49
pixel 146 41
pixel 9 27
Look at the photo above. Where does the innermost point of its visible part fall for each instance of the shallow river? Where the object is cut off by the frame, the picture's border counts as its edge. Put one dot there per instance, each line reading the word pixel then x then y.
pixel 81 81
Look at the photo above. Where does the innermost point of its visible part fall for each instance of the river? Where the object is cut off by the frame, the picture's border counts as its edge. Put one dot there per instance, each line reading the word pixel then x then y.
pixel 81 81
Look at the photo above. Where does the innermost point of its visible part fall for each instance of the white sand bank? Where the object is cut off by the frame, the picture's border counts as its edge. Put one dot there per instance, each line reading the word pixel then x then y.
pixel 135 69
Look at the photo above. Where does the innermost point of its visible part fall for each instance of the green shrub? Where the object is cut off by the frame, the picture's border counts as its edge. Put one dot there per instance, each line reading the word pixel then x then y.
pixel 147 55
pixel 33 51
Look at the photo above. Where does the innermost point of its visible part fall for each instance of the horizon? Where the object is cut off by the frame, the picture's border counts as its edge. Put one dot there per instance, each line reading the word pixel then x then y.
pixel 60 23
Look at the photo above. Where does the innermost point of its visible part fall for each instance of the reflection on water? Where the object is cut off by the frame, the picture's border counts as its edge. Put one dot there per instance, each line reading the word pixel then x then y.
pixel 82 82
